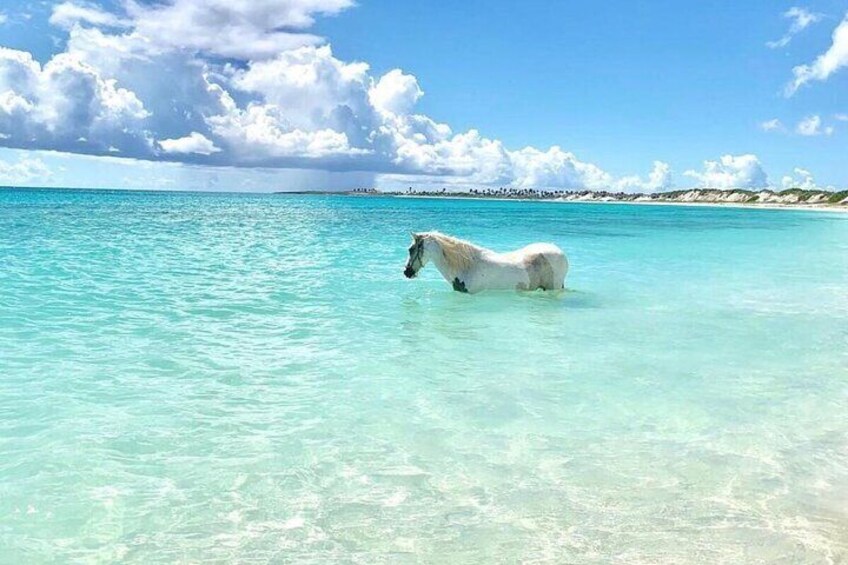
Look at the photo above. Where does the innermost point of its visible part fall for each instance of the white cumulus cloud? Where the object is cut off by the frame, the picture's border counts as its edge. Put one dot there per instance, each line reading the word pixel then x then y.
pixel 68 14
pixel 801 19
pixel 25 171
pixel 731 171
pixel 395 93
pixel 812 126
pixel 659 179
pixel 192 143
pixel 825 64
pixel 801 178
pixel 244 29
pixel 63 101
pixel 556 168
pixel 259 133
pixel 771 125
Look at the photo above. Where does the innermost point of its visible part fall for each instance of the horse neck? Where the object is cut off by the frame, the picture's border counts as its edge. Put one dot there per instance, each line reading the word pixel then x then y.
pixel 448 272
pixel 441 264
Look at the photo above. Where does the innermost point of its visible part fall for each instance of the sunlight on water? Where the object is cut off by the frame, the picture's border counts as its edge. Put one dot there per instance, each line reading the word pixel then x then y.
pixel 224 377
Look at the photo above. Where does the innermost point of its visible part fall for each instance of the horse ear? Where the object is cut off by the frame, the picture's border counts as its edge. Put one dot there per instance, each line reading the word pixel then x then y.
pixel 415 236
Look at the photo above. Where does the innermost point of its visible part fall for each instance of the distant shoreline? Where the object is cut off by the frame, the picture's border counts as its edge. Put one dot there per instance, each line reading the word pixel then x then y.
pixel 766 200
pixel 821 200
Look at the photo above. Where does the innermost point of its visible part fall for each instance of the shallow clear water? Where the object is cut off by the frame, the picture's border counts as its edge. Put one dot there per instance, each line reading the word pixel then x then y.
pixel 246 377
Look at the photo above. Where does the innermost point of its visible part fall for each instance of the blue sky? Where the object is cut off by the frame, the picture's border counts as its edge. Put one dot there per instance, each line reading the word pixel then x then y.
pixel 620 95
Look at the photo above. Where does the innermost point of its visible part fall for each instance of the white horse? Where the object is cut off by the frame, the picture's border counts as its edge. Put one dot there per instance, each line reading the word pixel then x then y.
pixel 471 268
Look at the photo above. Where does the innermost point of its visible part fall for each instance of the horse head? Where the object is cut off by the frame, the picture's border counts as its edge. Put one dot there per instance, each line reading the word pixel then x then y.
pixel 417 256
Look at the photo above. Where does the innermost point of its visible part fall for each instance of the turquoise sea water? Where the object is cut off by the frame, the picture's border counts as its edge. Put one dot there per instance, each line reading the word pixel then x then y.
pixel 249 378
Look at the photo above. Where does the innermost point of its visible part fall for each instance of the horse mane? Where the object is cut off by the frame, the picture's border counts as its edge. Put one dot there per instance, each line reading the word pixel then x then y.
pixel 459 254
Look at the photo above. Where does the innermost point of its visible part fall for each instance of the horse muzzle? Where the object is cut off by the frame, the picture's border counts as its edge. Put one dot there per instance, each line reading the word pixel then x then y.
pixel 409 273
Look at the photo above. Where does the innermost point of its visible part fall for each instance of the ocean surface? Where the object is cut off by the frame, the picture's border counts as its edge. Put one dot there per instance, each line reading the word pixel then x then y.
pixel 250 378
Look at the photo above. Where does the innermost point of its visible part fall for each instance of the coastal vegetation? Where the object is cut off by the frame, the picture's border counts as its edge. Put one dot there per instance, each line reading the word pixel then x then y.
pixel 787 197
